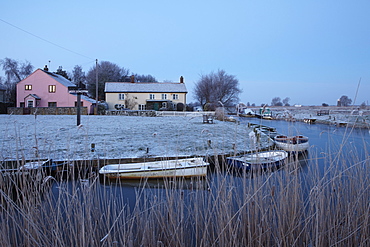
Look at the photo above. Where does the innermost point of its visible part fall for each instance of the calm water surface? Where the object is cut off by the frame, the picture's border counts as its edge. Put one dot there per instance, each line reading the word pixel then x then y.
pixel 326 142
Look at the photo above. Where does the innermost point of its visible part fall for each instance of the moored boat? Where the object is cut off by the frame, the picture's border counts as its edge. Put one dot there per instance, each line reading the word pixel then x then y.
pixel 191 167
pixel 33 165
pixel 48 167
pixel 296 143
pixel 270 132
pixel 265 113
pixel 309 120
pixel 258 161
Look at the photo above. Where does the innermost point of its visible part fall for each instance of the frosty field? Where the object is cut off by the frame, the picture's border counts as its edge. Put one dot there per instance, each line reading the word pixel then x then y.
pixel 58 137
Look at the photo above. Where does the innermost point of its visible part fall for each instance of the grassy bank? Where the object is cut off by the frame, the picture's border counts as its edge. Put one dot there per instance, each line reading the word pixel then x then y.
pixel 58 137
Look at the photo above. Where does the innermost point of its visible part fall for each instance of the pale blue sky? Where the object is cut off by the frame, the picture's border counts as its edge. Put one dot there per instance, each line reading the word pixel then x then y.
pixel 310 51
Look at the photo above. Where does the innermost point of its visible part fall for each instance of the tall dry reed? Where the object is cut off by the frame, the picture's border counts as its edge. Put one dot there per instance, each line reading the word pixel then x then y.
pixel 330 208
pixel 315 199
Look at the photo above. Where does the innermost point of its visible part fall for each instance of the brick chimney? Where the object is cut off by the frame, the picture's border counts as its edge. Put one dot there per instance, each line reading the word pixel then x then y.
pixel 132 79
pixel 46 68
pixel 181 79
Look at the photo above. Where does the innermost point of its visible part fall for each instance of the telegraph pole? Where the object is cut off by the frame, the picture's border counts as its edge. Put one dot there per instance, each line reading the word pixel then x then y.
pixel 97 86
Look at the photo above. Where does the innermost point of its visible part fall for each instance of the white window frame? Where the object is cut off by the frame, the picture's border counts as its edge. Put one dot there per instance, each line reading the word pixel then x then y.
pixel 164 96
pixel 121 96
pixel 164 104
pixel 175 96
pixel 152 96
pixel 142 107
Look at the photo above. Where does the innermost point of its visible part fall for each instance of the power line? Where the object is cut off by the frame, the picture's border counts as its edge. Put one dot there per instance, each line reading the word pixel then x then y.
pixel 45 40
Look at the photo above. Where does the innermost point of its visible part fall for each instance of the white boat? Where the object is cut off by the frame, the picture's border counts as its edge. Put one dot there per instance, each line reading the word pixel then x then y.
pixel 297 143
pixel 258 161
pixel 34 165
pixel 49 167
pixel 191 167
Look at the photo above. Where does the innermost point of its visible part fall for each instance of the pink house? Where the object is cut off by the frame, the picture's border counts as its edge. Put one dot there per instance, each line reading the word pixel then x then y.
pixel 46 89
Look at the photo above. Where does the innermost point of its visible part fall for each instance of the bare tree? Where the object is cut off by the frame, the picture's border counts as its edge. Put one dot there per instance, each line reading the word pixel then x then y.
pixel 286 101
pixel 144 78
pixel 2 87
pixel 78 75
pixel 107 72
pixel 130 102
pixel 276 101
pixel 203 89
pixel 15 72
pixel 217 87
pixel 345 101
pixel 63 73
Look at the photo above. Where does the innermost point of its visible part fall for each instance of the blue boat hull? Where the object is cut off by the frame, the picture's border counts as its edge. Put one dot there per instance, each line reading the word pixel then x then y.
pixel 259 161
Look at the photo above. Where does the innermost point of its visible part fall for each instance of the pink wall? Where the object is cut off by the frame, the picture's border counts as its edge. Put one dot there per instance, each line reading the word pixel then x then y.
pixel 40 82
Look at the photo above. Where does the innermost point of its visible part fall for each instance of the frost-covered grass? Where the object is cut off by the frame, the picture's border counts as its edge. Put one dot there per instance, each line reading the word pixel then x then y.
pixel 58 137
pixel 351 115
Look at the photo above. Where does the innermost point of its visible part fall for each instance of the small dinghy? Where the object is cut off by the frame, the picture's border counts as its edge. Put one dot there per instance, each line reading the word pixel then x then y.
pixel 297 143
pixel 258 161
pixel 191 167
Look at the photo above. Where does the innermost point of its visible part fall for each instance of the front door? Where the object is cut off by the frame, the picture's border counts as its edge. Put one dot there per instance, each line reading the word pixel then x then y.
pixel 156 106
pixel 30 103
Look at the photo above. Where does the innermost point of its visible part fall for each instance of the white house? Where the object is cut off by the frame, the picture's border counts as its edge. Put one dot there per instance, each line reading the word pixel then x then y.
pixel 146 96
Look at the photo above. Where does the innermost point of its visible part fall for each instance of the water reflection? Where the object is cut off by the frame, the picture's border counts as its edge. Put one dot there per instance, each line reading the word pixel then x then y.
pixel 327 144
pixel 175 183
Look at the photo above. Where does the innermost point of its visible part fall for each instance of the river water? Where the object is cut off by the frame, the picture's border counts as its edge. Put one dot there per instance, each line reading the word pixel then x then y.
pixel 321 136
pixel 326 143
pixel 331 147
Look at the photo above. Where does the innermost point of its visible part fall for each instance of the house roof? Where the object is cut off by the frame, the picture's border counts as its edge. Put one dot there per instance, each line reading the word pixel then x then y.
pixel 67 83
pixel 33 96
pixel 84 97
pixel 54 76
pixel 60 79
pixel 138 87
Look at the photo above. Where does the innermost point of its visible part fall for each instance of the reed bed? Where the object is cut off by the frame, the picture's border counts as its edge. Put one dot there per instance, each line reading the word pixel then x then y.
pixel 330 208
pixel 315 199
